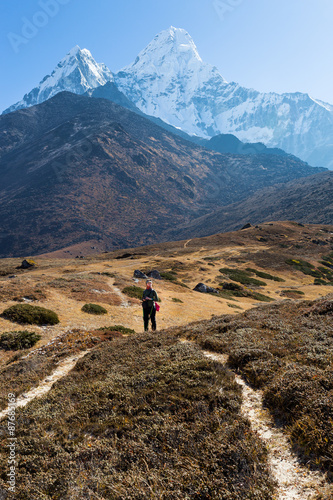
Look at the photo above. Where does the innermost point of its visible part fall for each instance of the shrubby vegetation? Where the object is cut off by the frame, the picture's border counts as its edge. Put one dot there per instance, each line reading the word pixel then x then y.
pixel 140 417
pixel 322 275
pixel 230 290
pixel 133 291
pixel 94 309
pixel 264 275
pixel 18 340
pixel 287 350
pixel 117 328
pixel 30 315
pixel 241 276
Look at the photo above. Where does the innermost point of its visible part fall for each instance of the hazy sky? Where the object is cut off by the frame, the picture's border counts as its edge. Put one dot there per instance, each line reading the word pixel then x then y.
pixel 269 45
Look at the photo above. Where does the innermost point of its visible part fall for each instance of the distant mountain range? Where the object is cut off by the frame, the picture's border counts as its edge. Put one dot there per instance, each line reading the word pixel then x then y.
pixel 169 81
pixel 76 168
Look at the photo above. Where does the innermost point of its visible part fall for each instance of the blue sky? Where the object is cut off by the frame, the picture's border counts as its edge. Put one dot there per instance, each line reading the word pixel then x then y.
pixel 275 45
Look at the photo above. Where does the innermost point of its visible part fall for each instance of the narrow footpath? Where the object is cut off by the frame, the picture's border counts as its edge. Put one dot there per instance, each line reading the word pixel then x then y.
pixel 295 481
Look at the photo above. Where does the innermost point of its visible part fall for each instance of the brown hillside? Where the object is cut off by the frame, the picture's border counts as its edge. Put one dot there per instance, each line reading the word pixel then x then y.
pixel 76 169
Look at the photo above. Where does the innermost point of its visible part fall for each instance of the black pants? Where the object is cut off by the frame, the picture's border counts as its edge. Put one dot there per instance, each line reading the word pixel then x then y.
pixel 149 312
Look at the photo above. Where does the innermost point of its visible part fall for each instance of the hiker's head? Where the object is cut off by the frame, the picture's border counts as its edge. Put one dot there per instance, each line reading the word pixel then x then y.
pixel 149 284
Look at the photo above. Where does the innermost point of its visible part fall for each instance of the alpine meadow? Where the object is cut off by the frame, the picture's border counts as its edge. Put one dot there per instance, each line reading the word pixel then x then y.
pixel 166 251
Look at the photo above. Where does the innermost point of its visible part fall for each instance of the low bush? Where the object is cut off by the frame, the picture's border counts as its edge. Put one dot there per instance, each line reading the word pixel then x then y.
pixel 18 340
pixel 240 276
pixel 292 293
pixel 93 309
pixel 174 299
pixel 233 290
pixel 320 281
pixel 133 291
pixel 169 275
pixel 286 349
pixel 304 267
pixel 117 328
pixel 30 315
pixel 264 275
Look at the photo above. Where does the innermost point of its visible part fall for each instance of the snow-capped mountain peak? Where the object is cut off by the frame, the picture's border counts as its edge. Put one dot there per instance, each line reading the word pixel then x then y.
pixel 167 75
pixel 171 43
pixel 76 72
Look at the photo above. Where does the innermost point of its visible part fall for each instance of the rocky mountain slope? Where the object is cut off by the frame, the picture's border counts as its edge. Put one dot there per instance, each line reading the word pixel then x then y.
pixel 303 200
pixel 77 169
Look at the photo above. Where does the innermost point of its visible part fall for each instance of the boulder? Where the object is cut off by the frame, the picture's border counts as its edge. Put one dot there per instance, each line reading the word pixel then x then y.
pixel 202 288
pixel 247 226
pixel 139 274
pixel 154 274
pixel 27 263
pixel 320 242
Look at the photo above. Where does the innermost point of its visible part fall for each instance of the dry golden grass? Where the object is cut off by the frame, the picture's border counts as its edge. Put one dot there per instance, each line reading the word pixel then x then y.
pixel 126 424
pixel 65 285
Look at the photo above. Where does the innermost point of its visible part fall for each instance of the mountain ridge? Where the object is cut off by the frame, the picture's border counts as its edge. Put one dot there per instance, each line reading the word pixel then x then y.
pixel 76 169
pixel 305 200
pixel 170 81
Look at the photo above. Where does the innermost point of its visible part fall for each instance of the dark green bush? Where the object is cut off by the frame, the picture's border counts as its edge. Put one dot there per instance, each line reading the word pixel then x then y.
pixel 31 315
pixel 169 275
pixel 133 291
pixel 93 309
pixel 240 276
pixel 174 299
pixel 267 276
pixel 231 290
pixel 18 340
pixel 304 267
pixel 320 281
pixel 117 328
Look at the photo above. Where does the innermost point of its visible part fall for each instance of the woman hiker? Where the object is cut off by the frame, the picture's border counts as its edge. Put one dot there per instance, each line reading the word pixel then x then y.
pixel 149 297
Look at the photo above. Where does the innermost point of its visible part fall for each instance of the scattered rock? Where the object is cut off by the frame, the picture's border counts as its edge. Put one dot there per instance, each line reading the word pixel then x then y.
pixel 319 242
pixel 154 274
pixel 27 263
pixel 139 274
pixel 202 288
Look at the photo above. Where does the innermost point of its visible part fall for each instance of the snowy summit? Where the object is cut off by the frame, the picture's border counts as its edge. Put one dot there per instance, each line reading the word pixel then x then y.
pixel 166 74
pixel 76 72
pixel 170 81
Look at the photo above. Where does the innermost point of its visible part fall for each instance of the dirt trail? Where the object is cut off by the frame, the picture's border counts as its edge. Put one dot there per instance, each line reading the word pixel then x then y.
pixel 295 482
pixel 124 301
pixel 45 385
